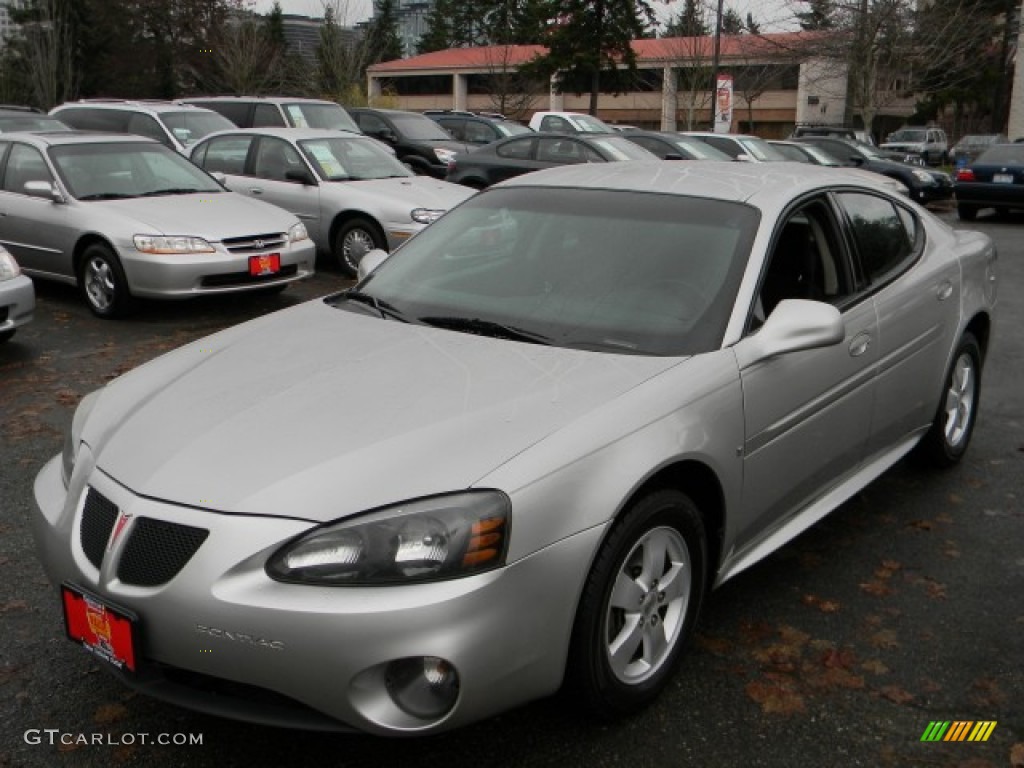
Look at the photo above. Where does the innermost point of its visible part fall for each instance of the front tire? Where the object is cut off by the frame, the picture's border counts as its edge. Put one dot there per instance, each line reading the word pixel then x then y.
pixel 946 441
pixel 640 604
pixel 356 238
pixel 103 284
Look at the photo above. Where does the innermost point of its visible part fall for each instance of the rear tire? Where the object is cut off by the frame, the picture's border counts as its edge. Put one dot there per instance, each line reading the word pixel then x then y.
pixel 103 284
pixel 950 434
pixel 640 604
pixel 967 212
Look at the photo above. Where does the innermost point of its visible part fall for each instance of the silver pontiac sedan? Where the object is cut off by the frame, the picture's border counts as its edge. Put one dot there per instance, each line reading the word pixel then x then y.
pixel 584 398
pixel 349 190
pixel 125 217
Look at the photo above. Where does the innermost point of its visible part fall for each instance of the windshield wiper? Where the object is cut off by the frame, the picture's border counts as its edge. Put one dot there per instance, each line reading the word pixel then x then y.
pixel 385 308
pixel 174 191
pixel 106 196
pixel 483 327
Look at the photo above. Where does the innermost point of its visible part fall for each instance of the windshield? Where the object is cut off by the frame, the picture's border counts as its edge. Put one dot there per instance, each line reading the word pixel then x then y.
pixel 820 155
pixel 112 171
pixel 909 135
pixel 189 127
pixel 419 128
pixel 792 153
pixel 590 124
pixel 1008 154
pixel 698 149
pixel 31 123
pixel 511 129
pixel 617 148
pixel 330 116
pixel 616 271
pixel 760 149
pixel 351 159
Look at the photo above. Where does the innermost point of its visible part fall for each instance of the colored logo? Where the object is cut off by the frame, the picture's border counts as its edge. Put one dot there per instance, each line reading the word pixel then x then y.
pixel 958 730
pixel 122 521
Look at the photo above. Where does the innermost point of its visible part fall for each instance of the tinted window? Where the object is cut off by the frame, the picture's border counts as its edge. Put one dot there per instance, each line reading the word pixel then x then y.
pixel 226 154
pixel 95 119
pixel 24 164
pixel 521 149
pixel 659 148
pixel 274 158
pixel 144 125
pixel 417 127
pixel 561 151
pixel 372 124
pixel 267 116
pixel 235 111
pixel 455 126
pixel 882 239
pixel 479 133
pixel 556 124
pixel 730 147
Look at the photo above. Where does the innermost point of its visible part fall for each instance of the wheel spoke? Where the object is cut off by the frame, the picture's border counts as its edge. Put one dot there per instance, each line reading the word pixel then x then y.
pixel 622 649
pixel 653 559
pixel 675 583
pixel 627 593
pixel 655 642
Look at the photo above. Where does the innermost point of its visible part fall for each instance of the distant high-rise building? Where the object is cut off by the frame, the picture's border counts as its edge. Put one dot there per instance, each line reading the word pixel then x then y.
pixel 7 25
pixel 302 35
pixel 411 16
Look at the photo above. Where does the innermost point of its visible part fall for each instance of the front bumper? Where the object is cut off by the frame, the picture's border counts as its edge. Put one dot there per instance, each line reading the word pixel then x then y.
pixel 322 661
pixel 186 275
pixel 17 303
pixel 932 193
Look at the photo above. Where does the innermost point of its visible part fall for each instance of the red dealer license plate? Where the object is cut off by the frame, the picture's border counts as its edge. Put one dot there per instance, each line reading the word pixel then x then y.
pixel 267 264
pixel 106 631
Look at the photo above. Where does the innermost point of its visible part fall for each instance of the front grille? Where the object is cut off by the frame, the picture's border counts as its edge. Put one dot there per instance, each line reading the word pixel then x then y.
pixel 157 550
pixel 274 241
pixel 244 278
pixel 98 517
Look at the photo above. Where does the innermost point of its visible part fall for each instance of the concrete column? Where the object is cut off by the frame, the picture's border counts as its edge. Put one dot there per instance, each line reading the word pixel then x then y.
pixel 669 98
pixel 372 88
pixel 555 101
pixel 1015 125
pixel 459 91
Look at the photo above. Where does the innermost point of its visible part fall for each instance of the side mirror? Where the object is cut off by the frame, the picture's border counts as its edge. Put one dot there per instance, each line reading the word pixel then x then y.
pixel 44 189
pixel 385 134
pixel 300 175
pixel 794 325
pixel 370 262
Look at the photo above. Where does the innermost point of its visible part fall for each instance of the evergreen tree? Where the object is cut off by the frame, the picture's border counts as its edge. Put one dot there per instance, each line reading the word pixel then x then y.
pixel 690 22
pixel 752 26
pixel 274 26
pixel 819 15
pixel 385 44
pixel 732 22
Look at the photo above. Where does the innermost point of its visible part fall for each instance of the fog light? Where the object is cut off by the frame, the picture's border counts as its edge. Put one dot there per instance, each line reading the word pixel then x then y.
pixel 423 686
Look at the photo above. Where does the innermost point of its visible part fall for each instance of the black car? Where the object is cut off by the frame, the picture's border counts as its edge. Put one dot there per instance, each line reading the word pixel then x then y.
pixel 674 146
pixel 924 185
pixel 418 141
pixel 521 154
pixel 994 180
pixel 476 129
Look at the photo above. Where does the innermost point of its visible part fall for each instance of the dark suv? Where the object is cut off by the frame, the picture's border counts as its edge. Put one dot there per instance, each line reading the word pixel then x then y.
pixel 475 129
pixel 924 185
pixel 418 141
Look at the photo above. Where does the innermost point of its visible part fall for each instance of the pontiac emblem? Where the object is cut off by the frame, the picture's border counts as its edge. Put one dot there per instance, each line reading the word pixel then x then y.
pixel 119 527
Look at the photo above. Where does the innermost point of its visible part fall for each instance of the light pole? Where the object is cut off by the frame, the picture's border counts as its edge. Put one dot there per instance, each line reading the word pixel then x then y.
pixel 714 66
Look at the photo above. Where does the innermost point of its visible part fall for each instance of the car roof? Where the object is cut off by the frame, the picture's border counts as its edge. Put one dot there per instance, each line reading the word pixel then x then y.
pixel 265 99
pixel 292 134
pixel 157 107
pixel 56 138
pixel 763 184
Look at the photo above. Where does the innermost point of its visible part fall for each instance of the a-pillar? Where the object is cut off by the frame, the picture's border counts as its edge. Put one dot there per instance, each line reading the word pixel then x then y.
pixel 669 98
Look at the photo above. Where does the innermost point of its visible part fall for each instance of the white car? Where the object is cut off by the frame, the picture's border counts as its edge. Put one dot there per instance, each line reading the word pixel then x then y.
pixel 568 122
pixel 348 189
pixel 17 296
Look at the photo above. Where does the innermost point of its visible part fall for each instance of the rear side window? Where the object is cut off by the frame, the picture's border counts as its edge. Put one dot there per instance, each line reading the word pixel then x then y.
pixel 478 133
pixel 521 149
pixel 267 116
pixel 881 234
pixel 724 145
pixel 227 155
pixel 25 164
pixel 371 123
pixel 95 119
pixel 457 128
pixel 235 111
pixel 556 124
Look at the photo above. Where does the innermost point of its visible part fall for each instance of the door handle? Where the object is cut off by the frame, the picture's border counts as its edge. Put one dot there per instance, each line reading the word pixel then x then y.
pixel 860 344
pixel 255 190
pixel 944 291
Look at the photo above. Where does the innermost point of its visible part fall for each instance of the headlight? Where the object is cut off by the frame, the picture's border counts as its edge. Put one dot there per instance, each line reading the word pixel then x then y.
pixel 924 177
pixel 444 155
pixel 297 233
pixel 426 215
pixel 164 244
pixel 442 537
pixel 72 437
pixel 9 268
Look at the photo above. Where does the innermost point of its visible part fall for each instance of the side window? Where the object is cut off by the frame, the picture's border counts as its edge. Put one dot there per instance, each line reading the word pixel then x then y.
pixel 227 155
pixel 95 119
pixel 884 243
pixel 457 128
pixel 591 155
pixel 520 149
pixel 839 150
pixel 267 116
pixel 144 125
pixel 24 164
pixel 725 145
pixel 562 151
pixel 274 158
pixel 806 262
pixel 650 145
pixel 478 133
pixel 556 124
pixel 235 111
pixel 371 124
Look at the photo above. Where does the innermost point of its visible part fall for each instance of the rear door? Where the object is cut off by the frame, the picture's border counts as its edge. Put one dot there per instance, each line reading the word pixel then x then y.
pixel 512 158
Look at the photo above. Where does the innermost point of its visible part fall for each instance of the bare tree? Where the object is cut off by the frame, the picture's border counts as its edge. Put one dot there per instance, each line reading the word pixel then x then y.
pixel 512 92
pixel 246 60
pixel 758 67
pixel 42 51
pixel 342 55
pixel 691 58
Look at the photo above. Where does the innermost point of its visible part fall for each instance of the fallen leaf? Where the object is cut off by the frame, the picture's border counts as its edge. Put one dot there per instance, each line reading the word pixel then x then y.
pixel 876 588
pixel 1017 756
pixel 755 632
pixel 884 639
pixel 776 696
pixel 896 694
pixel 832 678
pixel 892 565
pixel 985 693
pixel 922 525
pixel 955 498
pixel 930 686
pixel 13 605
pixel 935 590
pixel 716 645
pixel 873 620
pixel 875 667
pixel 793 636
pixel 943 518
pixel 842 658
pixel 110 713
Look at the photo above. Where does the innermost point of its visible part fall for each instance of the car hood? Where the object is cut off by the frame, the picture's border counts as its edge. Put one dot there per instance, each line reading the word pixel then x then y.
pixel 318 413
pixel 212 216
pixel 410 191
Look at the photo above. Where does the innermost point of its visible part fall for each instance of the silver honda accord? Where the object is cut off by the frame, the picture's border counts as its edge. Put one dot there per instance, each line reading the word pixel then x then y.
pixel 124 217
pixel 520 452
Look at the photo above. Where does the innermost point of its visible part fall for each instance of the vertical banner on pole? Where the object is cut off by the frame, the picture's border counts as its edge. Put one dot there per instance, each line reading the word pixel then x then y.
pixel 723 104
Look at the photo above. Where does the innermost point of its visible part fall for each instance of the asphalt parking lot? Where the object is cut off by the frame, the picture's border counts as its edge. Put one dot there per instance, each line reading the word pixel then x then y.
pixel 903 607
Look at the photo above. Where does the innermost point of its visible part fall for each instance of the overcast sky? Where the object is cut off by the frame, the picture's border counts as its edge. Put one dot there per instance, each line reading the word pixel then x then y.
pixel 773 15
